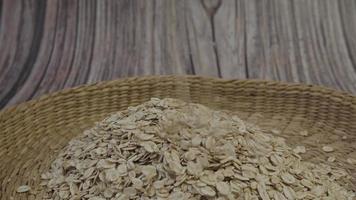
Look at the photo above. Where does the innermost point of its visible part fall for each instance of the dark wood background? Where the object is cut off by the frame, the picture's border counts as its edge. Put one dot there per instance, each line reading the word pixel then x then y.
pixel 49 45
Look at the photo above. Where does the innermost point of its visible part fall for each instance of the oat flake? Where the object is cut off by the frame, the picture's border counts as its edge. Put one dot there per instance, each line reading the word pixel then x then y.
pixel 328 148
pixel 23 188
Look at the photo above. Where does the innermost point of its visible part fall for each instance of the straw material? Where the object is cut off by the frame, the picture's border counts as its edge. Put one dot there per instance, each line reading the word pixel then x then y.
pixel 32 133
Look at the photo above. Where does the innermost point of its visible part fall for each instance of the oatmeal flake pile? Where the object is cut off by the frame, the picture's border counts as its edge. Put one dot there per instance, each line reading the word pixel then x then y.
pixel 169 149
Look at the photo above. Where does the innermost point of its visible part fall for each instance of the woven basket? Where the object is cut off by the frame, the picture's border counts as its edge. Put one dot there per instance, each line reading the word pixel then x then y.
pixel 32 133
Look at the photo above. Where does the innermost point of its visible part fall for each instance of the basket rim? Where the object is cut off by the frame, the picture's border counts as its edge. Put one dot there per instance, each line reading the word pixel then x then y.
pixel 303 86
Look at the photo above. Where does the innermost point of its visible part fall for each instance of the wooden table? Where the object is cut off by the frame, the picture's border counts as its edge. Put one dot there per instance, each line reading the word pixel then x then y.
pixel 49 45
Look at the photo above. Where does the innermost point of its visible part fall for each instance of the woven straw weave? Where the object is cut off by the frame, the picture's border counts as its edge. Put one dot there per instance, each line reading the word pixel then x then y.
pixel 32 133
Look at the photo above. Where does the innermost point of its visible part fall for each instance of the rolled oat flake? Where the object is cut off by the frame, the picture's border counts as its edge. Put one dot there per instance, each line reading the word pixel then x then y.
pixel 328 149
pixel 23 188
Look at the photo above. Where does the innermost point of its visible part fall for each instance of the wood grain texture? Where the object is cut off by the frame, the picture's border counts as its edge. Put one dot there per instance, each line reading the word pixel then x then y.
pixel 49 45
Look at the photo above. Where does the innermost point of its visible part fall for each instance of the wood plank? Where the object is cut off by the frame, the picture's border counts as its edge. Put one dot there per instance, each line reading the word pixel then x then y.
pixel 200 39
pixel 20 34
pixel 49 45
pixel 229 27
